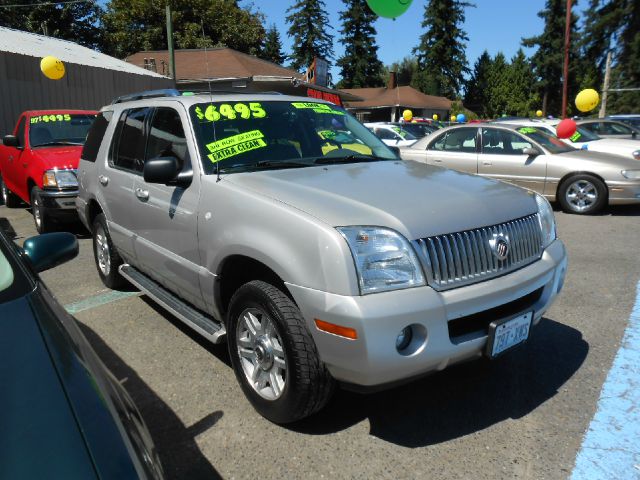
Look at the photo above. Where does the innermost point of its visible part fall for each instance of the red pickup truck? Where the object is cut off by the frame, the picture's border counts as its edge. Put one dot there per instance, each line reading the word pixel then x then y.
pixel 38 163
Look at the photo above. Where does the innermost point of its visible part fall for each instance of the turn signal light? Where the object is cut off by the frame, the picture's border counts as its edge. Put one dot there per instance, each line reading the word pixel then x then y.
pixel 49 179
pixel 339 330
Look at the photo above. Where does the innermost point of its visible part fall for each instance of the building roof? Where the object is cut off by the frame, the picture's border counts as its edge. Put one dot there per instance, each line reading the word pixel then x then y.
pixel 34 45
pixel 220 62
pixel 401 96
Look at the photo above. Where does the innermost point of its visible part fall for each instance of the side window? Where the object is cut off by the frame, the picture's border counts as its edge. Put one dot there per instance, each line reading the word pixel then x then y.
pixel 438 143
pixel 95 136
pixel 166 136
pixel 385 134
pixel 461 140
pixel 592 127
pixel 128 147
pixel 616 129
pixel 500 142
pixel 20 132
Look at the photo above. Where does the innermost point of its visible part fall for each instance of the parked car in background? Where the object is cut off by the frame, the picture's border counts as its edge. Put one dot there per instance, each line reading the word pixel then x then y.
pixel 609 128
pixel 64 415
pixel 630 119
pixel 317 266
pixel 392 135
pixel 38 163
pixel 584 139
pixel 416 129
pixel 583 182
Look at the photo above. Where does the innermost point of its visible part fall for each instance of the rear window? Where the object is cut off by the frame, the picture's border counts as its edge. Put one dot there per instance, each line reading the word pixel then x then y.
pixel 95 136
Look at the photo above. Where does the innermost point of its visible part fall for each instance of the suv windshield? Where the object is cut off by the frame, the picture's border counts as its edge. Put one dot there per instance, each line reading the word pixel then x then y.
pixel 59 129
pixel 243 136
pixel 548 141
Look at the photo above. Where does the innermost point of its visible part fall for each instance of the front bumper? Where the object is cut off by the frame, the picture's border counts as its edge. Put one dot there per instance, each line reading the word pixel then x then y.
pixel 60 204
pixel 373 359
pixel 624 193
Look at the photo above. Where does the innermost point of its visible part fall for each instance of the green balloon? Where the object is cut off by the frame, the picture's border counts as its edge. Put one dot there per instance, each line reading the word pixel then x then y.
pixel 389 8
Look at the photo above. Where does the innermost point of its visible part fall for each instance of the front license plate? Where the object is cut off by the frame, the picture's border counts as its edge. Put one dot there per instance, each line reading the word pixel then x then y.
pixel 505 334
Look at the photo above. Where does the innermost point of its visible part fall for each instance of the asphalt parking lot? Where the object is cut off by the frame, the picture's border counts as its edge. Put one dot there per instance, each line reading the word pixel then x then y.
pixel 522 416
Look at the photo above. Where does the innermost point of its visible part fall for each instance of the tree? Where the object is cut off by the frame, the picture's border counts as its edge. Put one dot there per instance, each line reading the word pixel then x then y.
pixel 614 25
pixel 548 60
pixel 359 66
pixel 441 58
pixel 519 87
pixel 498 88
pixel 272 50
pixel 77 22
pixel 133 25
pixel 476 96
pixel 405 70
pixel 309 27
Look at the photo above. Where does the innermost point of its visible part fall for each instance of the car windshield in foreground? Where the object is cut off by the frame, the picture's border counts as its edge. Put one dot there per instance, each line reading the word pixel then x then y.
pixel 59 129
pixel 552 143
pixel 242 136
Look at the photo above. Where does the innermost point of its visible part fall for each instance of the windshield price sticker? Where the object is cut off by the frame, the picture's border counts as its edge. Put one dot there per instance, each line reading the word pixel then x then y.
pixel 227 111
pixel 51 118
pixel 235 145
pixel 316 107
pixel 527 130
pixel 575 137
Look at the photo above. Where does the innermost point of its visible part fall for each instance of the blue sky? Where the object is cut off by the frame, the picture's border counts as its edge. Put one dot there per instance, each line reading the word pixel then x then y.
pixel 495 25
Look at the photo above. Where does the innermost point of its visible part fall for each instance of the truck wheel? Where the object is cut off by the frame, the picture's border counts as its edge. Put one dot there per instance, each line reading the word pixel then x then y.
pixel 582 194
pixel 10 199
pixel 106 256
pixel 43 221
pixel 273 355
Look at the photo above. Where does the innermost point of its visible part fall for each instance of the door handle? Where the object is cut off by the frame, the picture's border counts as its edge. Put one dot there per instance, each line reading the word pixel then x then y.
pixel 142 194
pixel 487 163
pixel 25 165
pixel 103 180
pixel 11 158
pixel 437 161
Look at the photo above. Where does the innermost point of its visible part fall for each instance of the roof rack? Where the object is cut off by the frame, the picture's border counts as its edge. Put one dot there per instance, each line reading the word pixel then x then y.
pixel 167 92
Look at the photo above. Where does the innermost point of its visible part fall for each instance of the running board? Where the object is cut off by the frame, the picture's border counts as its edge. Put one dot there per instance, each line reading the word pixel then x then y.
pixel 207 327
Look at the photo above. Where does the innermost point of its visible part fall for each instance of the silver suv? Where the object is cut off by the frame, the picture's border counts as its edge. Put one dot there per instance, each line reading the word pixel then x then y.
pixel 286 228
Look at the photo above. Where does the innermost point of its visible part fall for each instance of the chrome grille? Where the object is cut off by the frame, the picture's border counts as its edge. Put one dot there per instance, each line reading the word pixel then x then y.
pixel 457 259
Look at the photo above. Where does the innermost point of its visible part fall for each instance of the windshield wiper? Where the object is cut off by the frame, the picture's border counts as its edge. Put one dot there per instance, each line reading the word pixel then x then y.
pixel 348 159
pixel 265 165
pixel 51 144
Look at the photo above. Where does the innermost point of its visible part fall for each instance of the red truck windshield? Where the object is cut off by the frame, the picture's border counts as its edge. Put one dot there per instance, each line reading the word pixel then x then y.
pixel 59 129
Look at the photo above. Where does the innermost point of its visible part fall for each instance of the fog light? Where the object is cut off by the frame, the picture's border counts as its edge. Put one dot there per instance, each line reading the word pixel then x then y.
pixel 404 339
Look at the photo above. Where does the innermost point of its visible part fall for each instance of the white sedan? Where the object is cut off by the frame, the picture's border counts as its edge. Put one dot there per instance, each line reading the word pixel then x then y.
pixel 392 135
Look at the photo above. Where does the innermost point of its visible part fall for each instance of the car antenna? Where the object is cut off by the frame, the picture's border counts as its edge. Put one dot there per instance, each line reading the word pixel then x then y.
pixel 213 123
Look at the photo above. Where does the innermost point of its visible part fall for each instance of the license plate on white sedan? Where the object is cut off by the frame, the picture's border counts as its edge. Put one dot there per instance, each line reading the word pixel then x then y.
pixel 505 334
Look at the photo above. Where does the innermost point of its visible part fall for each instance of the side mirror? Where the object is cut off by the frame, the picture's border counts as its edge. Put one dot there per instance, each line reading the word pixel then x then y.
pixel 397 141
pixel 50 249
pixel 395 150
pixel 165 170
pixel 634 134
pixel 11 141
pixel 531 152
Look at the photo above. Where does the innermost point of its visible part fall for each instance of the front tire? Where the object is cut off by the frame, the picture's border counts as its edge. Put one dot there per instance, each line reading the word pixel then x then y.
pixel 582 194
pixel 273 355
pixel 41 218
pixel 9 198
pixel 106 255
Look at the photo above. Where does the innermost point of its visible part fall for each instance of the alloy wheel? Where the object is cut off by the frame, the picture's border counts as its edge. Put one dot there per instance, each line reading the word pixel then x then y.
pixel 103 255
pixel 581 195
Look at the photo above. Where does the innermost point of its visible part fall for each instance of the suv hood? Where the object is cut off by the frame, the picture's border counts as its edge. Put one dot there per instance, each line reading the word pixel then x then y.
pixel 414 199
pixel 58 157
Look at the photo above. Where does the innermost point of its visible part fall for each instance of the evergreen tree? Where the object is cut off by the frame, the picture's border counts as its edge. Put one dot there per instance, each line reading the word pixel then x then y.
pixel 548 60
pixel 133 25
pixel 359 66
pixel 477 87
pixel 272 50
pixel 441 58
pixel 519 87
pixel 309 27
pixel 498 88
pixel 77 22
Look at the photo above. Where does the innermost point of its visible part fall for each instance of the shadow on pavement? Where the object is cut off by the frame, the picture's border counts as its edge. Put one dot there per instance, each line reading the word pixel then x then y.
pixel 175 442
pixel 463 399
pixel 624 210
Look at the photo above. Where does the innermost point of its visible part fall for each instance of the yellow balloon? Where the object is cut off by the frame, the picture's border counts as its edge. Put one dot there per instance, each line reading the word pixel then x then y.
pixel 453 118
pixel 52 67
pixel 539 113
pixel 587 100
pixel 407 115
pixel 435 116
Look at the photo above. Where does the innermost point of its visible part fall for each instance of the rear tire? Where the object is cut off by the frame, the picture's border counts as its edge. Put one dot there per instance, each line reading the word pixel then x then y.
pixel 106 256
pixel 582 194
pixel 42 220
pixel 273 355
pixel 9 198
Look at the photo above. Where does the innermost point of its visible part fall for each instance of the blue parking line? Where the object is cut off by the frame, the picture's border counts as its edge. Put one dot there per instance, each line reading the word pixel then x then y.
pixel 98 300
pixel 611 447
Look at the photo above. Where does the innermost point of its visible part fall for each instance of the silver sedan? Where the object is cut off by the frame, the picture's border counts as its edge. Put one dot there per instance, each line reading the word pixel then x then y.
pixel 583 182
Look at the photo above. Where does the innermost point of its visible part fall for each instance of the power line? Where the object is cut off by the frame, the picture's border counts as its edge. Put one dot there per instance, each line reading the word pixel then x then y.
pixel 44 4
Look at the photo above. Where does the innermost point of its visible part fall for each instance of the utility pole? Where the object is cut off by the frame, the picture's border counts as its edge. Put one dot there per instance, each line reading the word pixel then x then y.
pixel 605 87
pixel 565 75
pixel 172 58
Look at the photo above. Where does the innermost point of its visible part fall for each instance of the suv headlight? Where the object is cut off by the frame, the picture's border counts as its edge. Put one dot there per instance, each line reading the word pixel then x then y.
pixel 631 174
pixel 59 179
pixel 384 259
pixel 636 154
pixel 547 221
